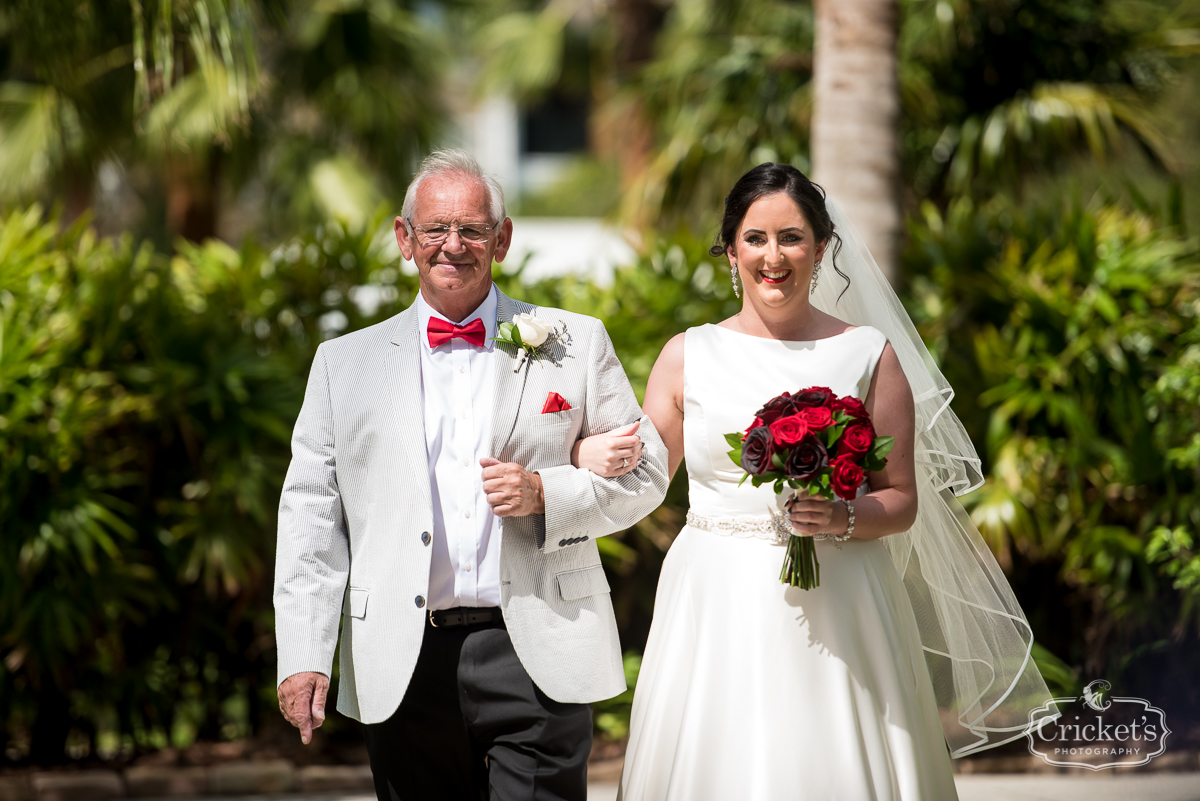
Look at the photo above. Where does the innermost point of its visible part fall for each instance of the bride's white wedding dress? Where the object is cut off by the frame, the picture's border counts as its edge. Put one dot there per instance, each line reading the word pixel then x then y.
pixel 753 690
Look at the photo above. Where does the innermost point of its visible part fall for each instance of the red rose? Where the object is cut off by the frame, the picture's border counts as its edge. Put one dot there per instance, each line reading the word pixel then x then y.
pixel 758 421
pixel 817 417
pixel 779 406
pixel 813 396
pixel 851 406
pixel 845 477
pixel 856 439
pixel 788 430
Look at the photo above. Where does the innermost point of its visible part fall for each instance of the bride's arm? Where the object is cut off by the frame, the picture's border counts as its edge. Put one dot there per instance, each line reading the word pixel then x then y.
pixel 617 452
pixel 891 505
pixel 664 400
pixel 613 453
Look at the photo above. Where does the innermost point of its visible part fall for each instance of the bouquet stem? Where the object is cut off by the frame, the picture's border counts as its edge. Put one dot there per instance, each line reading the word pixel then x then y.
pixel 800 566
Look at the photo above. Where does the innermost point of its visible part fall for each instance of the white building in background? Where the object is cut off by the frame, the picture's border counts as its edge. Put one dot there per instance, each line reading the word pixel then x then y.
pixel 531 150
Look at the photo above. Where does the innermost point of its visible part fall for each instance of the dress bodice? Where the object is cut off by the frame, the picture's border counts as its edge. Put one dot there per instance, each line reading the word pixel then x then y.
pixel 729 375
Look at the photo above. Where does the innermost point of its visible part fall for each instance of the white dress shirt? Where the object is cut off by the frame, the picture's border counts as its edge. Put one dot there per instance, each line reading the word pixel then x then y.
pixel 458 382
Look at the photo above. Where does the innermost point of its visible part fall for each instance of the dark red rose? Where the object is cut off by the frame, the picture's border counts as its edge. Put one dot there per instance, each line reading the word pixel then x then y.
pixel 788 430
pixel 857 438
pixel 757 451
pixel 758 421
pixel 845 478
pixel 807 459
pixel 779 406
pixel 813 396
pixel 851 406
pixel 817 417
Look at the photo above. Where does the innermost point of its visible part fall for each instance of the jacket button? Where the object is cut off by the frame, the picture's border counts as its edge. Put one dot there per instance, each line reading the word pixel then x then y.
pixel 420 602
pixel 561 543
pixel 425 538
pixel 583 539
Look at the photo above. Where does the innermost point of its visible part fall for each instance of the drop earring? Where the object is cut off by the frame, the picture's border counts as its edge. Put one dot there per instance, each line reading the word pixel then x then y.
pixel 816 274
pixel 733 276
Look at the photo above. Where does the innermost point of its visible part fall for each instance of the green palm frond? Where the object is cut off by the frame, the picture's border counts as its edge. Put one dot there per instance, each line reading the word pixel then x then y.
pixel 1053 120
pixel 183 111
pixel 39 130
pixel 523 51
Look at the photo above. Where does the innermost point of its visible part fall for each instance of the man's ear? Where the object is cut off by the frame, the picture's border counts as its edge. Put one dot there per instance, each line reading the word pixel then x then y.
pixel 503 240
pixel 403 238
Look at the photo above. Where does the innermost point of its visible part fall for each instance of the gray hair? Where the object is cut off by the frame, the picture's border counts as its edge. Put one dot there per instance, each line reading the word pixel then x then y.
pixel 453 161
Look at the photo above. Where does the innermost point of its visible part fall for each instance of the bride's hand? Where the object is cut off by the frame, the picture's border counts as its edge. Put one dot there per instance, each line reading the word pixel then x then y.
pixel 812 514
pixel 611 454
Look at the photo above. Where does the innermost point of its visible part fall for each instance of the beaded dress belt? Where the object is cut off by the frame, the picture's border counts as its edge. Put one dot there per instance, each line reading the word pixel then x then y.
pixel 464 616
pixel 775 529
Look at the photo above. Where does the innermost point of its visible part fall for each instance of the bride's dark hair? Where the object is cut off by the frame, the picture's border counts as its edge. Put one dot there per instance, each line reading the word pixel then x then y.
pixel 769 179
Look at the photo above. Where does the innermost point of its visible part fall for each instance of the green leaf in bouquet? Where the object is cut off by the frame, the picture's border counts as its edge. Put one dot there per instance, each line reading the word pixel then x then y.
pixel 832 434
pixel 871 464
pixel 882 446
pixel 736 456
pixel 777 460
pixel 735 440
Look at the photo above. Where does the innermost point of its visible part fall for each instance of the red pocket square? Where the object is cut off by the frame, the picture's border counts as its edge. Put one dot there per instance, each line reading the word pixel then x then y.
pixel 555 403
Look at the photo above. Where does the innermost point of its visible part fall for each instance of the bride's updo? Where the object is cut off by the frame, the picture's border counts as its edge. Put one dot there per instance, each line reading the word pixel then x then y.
pixel 769 179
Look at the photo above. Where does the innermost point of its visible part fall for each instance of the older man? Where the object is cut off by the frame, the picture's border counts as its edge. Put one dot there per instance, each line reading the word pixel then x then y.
pixel 431 508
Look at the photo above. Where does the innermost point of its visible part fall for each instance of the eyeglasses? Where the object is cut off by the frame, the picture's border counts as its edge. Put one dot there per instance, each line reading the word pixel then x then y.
pixel 437 233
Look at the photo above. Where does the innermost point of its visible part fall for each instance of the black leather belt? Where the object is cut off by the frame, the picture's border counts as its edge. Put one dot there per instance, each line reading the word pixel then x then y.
pixel 464 616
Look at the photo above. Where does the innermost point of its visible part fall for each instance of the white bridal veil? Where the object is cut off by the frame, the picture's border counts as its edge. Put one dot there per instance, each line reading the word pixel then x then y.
pixel 977 642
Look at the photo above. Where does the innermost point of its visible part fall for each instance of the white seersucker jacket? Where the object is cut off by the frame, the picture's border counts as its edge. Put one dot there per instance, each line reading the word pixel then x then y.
pixel 356 511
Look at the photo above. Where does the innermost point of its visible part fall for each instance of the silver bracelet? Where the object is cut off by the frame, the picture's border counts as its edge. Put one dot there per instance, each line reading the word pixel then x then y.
pixel 849 524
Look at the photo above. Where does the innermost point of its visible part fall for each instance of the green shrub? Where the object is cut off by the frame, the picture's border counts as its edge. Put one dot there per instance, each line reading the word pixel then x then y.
pixel 1071 336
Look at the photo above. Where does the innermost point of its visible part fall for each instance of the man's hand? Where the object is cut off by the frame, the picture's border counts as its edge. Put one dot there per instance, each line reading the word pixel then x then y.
pixel 302 702
pixel 512 491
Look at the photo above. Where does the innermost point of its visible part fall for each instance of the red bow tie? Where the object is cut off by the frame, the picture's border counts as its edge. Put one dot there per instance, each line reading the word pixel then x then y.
pixel 442 331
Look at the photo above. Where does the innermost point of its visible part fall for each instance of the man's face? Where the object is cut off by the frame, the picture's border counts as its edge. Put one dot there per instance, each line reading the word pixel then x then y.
pixel 455 275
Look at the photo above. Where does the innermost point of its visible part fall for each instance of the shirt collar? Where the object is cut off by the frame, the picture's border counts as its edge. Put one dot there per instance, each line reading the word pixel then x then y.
pixel 486 311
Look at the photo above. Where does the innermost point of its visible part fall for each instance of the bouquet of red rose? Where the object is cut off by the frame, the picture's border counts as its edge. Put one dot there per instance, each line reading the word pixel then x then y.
pixel 813 441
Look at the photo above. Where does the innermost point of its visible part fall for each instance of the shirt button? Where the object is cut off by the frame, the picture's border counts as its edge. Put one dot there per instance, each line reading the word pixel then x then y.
pixel 466 462
pixel 467 513
pixel 419 601
pixel 467 567
pixel 462 369
pixel 425 538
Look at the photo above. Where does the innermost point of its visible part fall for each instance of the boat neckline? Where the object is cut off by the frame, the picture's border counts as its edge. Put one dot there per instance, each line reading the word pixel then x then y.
pixel 787 341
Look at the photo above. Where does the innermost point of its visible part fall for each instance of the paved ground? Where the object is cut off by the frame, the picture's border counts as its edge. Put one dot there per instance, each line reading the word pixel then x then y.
pixel 971 787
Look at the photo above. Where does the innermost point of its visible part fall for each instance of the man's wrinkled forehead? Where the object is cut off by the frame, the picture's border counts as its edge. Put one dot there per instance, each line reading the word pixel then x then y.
pixel 454 194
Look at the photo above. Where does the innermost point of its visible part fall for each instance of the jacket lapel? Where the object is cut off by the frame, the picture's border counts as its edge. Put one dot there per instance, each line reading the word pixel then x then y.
pixel 510 385
pixel 407 401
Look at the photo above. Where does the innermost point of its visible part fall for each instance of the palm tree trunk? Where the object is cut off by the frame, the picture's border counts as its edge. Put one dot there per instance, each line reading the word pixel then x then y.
pixel 856 106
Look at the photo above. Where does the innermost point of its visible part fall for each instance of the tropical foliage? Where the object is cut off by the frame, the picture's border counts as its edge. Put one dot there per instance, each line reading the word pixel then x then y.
pixel 146 405
pixel 1073 352
pixel 149 382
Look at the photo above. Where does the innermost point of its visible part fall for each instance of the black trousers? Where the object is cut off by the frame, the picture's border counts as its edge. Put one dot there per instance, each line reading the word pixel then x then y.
pixel 473 727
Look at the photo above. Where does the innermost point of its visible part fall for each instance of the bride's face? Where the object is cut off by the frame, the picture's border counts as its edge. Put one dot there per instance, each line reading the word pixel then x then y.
pixel 775 251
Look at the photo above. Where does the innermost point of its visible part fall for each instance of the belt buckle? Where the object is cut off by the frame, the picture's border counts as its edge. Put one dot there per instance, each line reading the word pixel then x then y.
pixel 431 620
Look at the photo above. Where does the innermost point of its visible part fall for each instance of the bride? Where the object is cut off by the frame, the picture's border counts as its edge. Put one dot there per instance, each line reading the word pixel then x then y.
pixel 753 690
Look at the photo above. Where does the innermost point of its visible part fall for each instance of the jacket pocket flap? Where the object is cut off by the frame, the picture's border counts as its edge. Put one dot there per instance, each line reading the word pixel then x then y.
pixel 576 584
pixel 356 603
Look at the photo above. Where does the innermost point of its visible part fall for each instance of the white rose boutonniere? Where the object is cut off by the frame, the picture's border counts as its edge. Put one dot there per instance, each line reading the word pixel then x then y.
pixel 531 335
